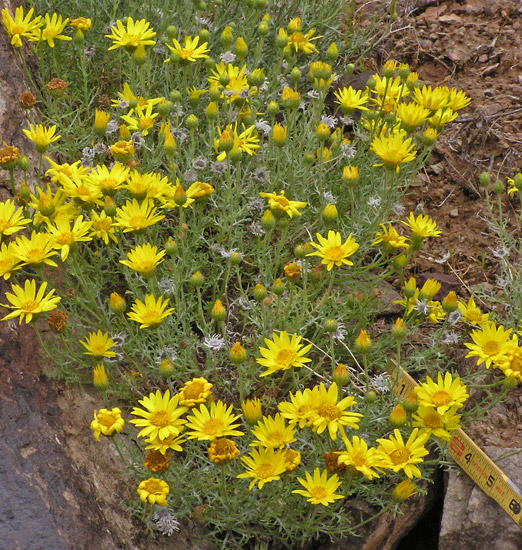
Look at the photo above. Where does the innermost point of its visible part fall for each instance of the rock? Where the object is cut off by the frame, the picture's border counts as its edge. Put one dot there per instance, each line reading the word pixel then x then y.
pixel 454 213
pixel 473 521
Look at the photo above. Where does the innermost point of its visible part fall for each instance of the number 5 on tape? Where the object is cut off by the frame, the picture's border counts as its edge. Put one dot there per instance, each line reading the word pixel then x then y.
pixel 480 468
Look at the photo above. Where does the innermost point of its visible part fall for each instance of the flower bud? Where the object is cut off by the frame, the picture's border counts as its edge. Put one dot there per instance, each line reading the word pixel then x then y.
pixel 340 375
pixel 498 187
pixel 180 195
pixel 279 135
pixel 166 368
pixel 176 96
pixel 449 303
pixel 510 382
pixel 350 175
pixel 241 48
pixel 398 416
pixel 252 410
pixel 295 75
pixel 109 207
pixel 256 78
pixel 370 397
pixel 410 402
pixel 226 37
pixel 260 293
pixel 268 220
pixel 398 330
pixel 117 303
pixel 363 343
pixel 99 377
pixel 404 490
pixel 272 108
pixel 192 122
pixel 281 38
pixel 171 247
pixel 330 325
pixel 410 286
pixel 212 111
pixel 292 271
pixel 332 52
pixel 218 312
pixel 197 280
pixel 278 287
pixel 172 32
pixel 329 214
pixel 400 261
pixel 237 354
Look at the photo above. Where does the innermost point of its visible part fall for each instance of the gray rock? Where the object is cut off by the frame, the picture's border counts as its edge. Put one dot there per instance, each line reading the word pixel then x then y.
pixel 473 521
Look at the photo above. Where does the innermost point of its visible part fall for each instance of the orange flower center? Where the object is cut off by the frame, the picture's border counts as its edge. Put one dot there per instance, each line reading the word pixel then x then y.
pixel 328 411
pixel 516 364
pixel 359 460
pixel 212 426
pixel 102 225
pixel 334 252
pixel 29 305
pixel 265 470
pixel 34 255
pixel 440 398
pixel 400 456
pixel 318 492
pixel 160 418
pixel 64 238
pixel 106 419
pixel 285 358
pixel 491 347
pixel 193 391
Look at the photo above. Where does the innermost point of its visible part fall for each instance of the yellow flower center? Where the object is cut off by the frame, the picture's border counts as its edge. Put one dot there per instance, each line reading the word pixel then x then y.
pixel 298 38
pixel 151 317
pixel 282 201
pixel 473 315
pixel 98 349
pixel 82 190
pixel 29 305
pixel 146 123
pixel 516 364
pixel 432 420
pixel 491 347
pixel 328 411
pixel 108 183
pixel 153 487
pixel 106 419
pixel 186 54
pixel 49 33
pixel 4 224
pixel 193 391
pixel 17 29
pixel 440 398
pixel 285 358
pixel 212 426
pixel 160 418
pixel 102 225
pixel 318 492
pixel 34 255
pixel 275 438
pixel 265 470
pixel 64 238
pixel 137 221
pixel 334 253
pixel 131 39
pixel 400 456
pixel 359 460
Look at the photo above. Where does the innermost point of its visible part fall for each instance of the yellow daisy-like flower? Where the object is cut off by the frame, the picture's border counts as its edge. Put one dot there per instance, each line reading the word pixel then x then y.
pixel 171 442
pixel 393 149
pixel 154 491
pixel 332 251
pixel 135 34
pixel 151 313
pixel 299 410
pixel 350 99
pixel 280 204
pixel 144 259
pixel 272 432
pixel 108 181
pixel 237 90
pixel 143 120
pixel 359 458
pixel 433 423
pixel 103 227
pixel 135 216
pixel 512 365
pixel 64 237
pixel 81 23
pixel 457 99
pixel 388 91
pixel 404 490
pixel 443 395
pixel 491 344
pixel 398 455
pixel 11 218
pixel 263 466
pixel 8 261
pixel 431 98
pixel 160 416
pixel 292 459
pixel 208 424
pixel 390 239
pixel 190 52
pixel 151 185
pixel 471 313
pixel 127 95
pixel 300 42
pixel 246 141
pixel 41 136
pixel 331 414
pixel 28 303
pixel 36 250
pixel 195 392
pixel 283 353
pixel 21 27
pixel 107 422
pixel 52 28
pixel 222 450
pixel 98 344
pixel 422 226
pixel 319 489
pixel 412 115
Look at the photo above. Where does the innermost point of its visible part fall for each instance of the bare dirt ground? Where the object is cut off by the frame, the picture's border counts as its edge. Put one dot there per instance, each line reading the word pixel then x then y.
pixel 73 482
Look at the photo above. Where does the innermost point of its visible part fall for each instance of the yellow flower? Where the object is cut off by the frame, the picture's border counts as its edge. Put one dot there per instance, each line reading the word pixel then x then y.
pixel 327 412
pixel 34 251
pixel 160 416
pixel 300 42
pixel 99 377
pixel 279 134
pixel 144 259
pixel 143 121
pixel 27 303
pixel 457 100
pixel 445 394
pixel 41 136
pixel 9 156
pixel 491 344
pixel 332 251
pixel 319 489
pixel 393 149
pixel 135 34
pixel 436 424
pixel 390 239
pixel 190 52
pixel 246 141
pixel 151 313
pixel 412 115
pixel 422 226
pixel 263 466
pixel 102 227
pixel 21 26
pixel 237 90
pixel 53 27
pixel 398 455
pixel 127 95
pixel 133 216
pixel 252 410
pixel 11 218
pixel 107 422
pixel 431 99
pixel 441 117
pixel 171 442
pixel 292 459
pixel 101 119
pixel 404 490
pixel 98 344
pixel 512 365
pixel 300 409
pixel 81 23
pixel 350 99
pixel 222 450
pixel 8 260
pixel 280 204
pixel 64 237
pixel 154 490
pixel 283 353
pixel 195 391
pixel 359 458
pixel 272 432
pixel 208 424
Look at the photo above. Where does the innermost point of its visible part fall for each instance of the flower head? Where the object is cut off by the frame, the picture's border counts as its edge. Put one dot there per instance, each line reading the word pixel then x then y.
pixel 107 422
pixel 41 136
pixel 350 99
pixel 135 216
pixel 11 218
pixel 131 36
pixel 151 312
pixel 393 149
pixel 359 458
pixel 208 424
pixel 422 226
pixel 144 259
pixel 21 27
pixel 222 450
pixel 52 28
pixel 319 489
pixel 195 392
pixel 280 204
pixel 399 455
pixel 263 465
pixel 272 432
pixel 154 491
pixel 283 353
pixel 64 237
pixel 491 344
pixel 27 303
pixel 332 251
pixel 98 344
pixel 436 424
pixel 190 52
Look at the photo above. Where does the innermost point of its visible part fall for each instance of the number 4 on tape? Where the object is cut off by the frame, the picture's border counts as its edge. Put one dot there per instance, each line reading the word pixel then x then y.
pixel 480 468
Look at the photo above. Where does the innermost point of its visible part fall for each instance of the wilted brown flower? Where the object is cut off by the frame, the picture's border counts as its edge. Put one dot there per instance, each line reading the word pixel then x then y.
pixel 8 156
pixel 332 462
pixel 58 320
pixel 156 461
pixel 26 100
pixel 56 87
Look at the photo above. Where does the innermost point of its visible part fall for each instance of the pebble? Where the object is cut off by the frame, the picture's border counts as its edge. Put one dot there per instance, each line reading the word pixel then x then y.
pixel 454 213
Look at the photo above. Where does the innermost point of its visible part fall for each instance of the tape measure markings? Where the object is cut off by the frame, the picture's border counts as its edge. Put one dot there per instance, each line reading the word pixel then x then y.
pixel 473 460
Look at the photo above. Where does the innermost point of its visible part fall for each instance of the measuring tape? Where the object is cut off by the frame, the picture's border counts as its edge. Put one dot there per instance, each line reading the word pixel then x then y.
pixel 475 462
